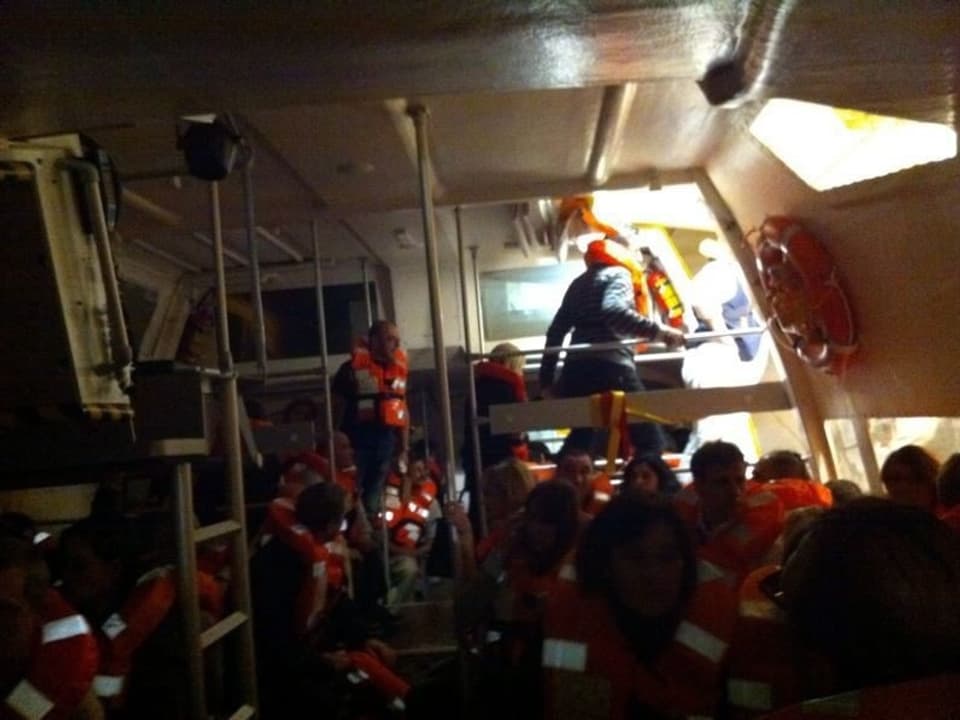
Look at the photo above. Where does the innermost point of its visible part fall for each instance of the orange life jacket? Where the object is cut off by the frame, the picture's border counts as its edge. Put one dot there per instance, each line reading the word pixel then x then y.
pixel 739 546
pixel 592 672
pixel 381 391
pixel 605 252
pixel 933 698
pixel 406 519
pixel 761 674
pixel 125 631
pixel 951 516
pixel 368 668
pixel 794 492
pixel 62 666
pixel 324 563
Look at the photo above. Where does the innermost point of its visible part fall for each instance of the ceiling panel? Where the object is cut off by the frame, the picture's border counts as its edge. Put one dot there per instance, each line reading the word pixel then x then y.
pixel 511 140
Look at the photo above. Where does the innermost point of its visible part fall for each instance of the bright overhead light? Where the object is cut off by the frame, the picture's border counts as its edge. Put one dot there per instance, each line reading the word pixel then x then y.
pixel 828 147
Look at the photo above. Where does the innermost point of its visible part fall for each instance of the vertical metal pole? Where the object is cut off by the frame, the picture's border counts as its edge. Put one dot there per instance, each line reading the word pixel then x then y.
pixel 476 493
pixel 425 421
pixel 476 294
pixel 187 586
pixel 365 279
pixel 240 579
pixel 324 356
pixel 419 116
pixel 256 295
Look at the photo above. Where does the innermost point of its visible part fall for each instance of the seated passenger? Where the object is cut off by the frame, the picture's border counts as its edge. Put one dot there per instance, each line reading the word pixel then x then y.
pixel 140 673
pixel 882 613
pixel 499 613
pixel 909 476
pixel 732 530
pixel 410 514
pixel 763 660
pixel 843 491
pixel 48 655
pixel 641 634
pixel 498 380
pixel 575 467
pixel 309 638
pixel 649 474
pixel 505 489
pixel 948 491
pixel 784 473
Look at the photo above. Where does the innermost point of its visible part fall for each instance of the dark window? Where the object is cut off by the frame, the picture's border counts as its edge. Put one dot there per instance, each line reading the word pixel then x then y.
pixel 290 321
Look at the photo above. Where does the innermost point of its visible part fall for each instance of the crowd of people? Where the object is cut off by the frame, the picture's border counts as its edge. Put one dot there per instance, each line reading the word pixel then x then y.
pixel 748 592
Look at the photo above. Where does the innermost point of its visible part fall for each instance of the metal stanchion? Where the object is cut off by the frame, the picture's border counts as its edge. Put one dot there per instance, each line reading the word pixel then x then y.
pixel 240 579
pixel 324 352
pixel 476 493
pixel 477 299
pixel 419 116
pixel 256 295
pixel 365 279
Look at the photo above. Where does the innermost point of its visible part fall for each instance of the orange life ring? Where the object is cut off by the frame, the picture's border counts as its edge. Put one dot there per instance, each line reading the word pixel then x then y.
pixel 810 310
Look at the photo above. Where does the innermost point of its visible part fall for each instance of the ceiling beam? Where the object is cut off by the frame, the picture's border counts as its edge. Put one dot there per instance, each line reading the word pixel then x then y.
pixel 280 244
pixel 230 253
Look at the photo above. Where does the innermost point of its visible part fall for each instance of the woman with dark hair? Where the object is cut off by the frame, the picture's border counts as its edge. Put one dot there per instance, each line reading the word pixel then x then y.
pixel 881 614
pixel 499 612
pixel 909 475
pixel 648 473
pixel 641 634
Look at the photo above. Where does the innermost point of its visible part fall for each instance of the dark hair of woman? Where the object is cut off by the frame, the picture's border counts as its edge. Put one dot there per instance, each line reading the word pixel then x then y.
pixel 667 483
pixel 626 519
pixel 554 504
pixel 884 609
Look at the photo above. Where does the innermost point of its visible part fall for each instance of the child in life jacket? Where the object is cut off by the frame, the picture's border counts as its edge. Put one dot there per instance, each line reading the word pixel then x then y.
pixel 410 514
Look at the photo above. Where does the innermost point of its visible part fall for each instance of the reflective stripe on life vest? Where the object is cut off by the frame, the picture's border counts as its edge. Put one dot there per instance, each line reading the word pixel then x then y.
pixel 750 694
pixel 61 668
pixel 564 654
pixel 700 641
pixel 108 686
pixel 28 701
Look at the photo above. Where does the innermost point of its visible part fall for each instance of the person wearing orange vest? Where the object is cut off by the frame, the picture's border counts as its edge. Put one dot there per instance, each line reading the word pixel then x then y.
pixel 410 514
pixel 603 305
pixel 130 612
pixel 594 489
pixel 733 530
pixel 764 659
pixel 497 381
pixel 881 613
pixel 501 608
pixel 369 394
pixel 308 633
pixel 643 633
pixel 48 655
pixel 505 490
pixel 784 473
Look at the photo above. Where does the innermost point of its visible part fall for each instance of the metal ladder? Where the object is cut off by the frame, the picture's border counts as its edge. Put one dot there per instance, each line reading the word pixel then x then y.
pixel 239 621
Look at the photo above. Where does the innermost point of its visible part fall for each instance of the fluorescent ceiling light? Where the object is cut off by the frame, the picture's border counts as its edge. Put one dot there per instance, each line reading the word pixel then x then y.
pixel 673 206
pixel 828 147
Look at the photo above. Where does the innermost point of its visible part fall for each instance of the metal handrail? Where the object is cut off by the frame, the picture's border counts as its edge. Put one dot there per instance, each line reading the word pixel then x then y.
pixel 695 337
